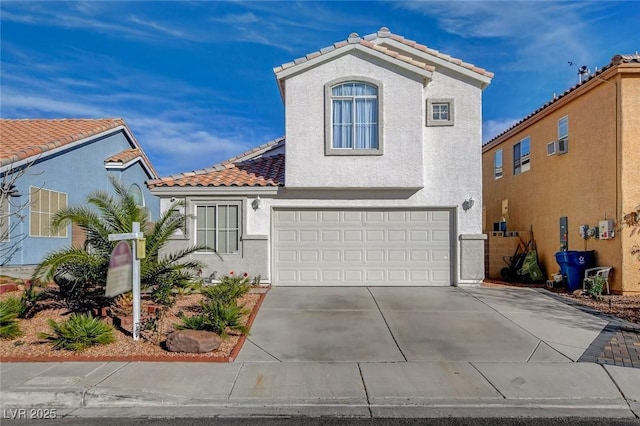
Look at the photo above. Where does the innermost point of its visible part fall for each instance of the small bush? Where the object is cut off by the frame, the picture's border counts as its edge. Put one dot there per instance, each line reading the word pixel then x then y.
pixel 162 293
pixel 10 309
pixel 228 290
pixel 596 287
pixel 78 332
pixel 218 316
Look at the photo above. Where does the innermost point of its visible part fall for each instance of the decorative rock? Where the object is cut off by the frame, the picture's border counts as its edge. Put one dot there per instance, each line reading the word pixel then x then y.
pixel 577 293
pixel 193 341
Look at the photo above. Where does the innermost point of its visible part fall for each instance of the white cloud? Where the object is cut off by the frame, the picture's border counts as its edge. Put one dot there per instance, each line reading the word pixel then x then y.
pixel 492 128
pixel 20 104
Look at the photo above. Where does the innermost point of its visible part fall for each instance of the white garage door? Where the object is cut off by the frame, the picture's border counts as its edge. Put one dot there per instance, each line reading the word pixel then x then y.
pixel 362 247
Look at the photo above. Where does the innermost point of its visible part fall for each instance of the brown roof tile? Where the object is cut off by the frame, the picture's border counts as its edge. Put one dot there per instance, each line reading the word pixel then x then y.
pixel 251 168
pixel 26 138
pixel 263 171
pixel 124 156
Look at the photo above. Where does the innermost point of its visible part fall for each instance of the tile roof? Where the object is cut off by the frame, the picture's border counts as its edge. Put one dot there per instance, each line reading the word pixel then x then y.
pixel 251 168
pixel 615 60
pixel 372 41
pixel 124 156
pixel 29 138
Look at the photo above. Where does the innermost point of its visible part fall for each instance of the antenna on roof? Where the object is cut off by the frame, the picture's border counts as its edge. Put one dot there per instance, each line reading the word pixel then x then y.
pixel 583 70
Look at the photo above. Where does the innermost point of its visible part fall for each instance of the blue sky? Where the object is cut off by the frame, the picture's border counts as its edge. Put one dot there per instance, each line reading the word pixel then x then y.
pixel 194 79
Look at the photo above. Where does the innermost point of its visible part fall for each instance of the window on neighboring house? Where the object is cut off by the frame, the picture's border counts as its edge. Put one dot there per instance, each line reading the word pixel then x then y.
pixel 354 119
pixel 43 204
pixel 440 112
pixel 521 156
pixel 563 135
pixel 497 164
pixel 218 227
pixel 5 216
pixel 135 190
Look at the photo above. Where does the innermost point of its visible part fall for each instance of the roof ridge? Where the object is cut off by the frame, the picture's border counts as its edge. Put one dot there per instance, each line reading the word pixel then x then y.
pixel 369 41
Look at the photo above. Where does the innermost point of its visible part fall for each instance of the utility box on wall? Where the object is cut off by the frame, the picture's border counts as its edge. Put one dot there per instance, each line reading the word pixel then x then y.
pixel 606 230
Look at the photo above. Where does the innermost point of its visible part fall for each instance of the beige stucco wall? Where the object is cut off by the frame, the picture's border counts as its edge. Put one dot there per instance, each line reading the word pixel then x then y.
pixel 581 185
pixel 630 170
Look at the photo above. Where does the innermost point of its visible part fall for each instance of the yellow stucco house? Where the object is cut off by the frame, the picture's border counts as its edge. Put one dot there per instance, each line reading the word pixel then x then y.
pixel 573 162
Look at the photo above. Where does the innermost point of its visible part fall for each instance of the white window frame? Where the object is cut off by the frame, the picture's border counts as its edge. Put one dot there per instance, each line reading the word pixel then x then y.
pixel 552 148
pixel 563 135
pixel 215 228
pixel 41 214
pixel 433 118
pixel 329 148
pixel 521 162
pixel 498 169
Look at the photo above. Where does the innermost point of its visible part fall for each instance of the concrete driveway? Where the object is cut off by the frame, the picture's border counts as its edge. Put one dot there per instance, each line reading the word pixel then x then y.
pixel 399 324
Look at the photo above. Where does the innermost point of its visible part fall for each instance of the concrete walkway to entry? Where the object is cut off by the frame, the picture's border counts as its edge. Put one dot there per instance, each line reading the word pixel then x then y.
pixel 363 352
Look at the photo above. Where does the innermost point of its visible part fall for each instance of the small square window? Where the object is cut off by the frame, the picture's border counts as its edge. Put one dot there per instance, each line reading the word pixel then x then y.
pixel 440 112
pixel 552 148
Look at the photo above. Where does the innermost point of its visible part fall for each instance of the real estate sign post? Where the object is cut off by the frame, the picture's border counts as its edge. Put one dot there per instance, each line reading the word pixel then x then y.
pixel 119 259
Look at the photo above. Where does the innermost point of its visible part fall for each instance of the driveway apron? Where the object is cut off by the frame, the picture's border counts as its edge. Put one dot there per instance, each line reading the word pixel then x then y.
pixel 396 324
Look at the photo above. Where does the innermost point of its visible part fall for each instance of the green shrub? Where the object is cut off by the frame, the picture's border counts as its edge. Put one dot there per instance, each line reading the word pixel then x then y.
pixel 596 287
pixel 162 293
pixel 10 309
pixel 218 316
pixel 78 332
pixel 228 290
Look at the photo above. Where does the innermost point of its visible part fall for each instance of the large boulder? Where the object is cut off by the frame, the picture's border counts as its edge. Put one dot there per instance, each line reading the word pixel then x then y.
pixel 193 341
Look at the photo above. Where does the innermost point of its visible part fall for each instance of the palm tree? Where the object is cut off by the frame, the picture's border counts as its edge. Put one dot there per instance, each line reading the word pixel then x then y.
pixel 81 272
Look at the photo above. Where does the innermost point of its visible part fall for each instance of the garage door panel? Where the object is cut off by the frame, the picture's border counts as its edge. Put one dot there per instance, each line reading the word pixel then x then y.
pixel 352 235
pixel 361 247
pixel 374 235
pixel 375 256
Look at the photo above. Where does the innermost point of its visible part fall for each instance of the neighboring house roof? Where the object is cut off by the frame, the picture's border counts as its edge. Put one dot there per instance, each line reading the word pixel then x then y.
pixel 374 42
pixel 124 156
pixel 615 61
pixel 256 167
pixel 26 140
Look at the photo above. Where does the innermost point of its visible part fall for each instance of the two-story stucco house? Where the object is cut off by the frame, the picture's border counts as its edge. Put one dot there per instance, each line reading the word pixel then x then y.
pixel 374 183
pixel 53 164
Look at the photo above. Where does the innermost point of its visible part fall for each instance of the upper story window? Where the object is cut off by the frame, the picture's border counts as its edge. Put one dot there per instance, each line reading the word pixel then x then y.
pixel 354 119
pixel 521 156
pixel 136 192
pixel 218 227
pixel 440 112
pixel 497 164
pixel 43 204
pixel 563 135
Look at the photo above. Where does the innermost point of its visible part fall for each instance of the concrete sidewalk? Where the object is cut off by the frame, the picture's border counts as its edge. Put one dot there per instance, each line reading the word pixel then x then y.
pixel 435 352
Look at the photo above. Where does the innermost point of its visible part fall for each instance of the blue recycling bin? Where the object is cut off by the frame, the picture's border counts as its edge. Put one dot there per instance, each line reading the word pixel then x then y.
pixel 572 266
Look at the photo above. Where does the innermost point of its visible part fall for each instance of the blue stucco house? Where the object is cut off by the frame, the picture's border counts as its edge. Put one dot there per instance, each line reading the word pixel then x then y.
pixel 49 164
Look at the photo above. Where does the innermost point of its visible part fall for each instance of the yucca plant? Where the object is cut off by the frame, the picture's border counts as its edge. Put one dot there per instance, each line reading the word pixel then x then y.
pixel 78 332
pixel 218 317
pixel 9 311
pixel 81 273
